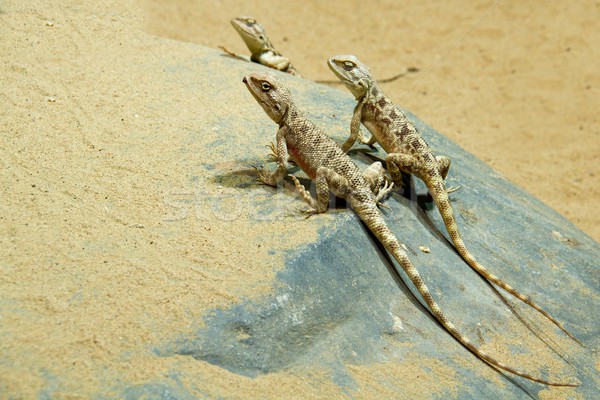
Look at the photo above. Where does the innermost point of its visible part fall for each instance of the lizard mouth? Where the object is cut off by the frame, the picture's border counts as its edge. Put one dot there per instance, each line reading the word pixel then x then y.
pixel 334 68
pixel 258 99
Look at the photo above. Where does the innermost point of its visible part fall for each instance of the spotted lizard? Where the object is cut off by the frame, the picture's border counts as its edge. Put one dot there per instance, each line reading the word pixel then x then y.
pixel 408 152
pixel 333 170
pixel 261 49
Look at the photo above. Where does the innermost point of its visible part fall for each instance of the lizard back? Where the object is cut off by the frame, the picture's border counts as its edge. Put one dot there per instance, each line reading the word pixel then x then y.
pixel 394 132
pixel 311 148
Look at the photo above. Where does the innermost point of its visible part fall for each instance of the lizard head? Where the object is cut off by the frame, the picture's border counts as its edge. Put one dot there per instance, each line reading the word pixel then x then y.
pixel 354 74
pixel 252 33
pixel 270 93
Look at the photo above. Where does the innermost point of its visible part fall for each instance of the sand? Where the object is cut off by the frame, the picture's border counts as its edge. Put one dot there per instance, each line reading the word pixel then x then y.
pixel 516 84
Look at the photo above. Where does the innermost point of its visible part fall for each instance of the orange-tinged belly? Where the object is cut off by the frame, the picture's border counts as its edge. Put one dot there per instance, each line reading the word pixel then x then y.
pixel 302 163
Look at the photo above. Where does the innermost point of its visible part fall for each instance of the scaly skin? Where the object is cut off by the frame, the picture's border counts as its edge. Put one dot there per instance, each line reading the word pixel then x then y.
pixel 261 49
pixel 408 152
pixel 332 170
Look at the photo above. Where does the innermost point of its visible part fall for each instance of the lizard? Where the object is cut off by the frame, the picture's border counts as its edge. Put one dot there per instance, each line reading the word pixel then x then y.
pixel 261 49
pixel 408 152
pixel 332 170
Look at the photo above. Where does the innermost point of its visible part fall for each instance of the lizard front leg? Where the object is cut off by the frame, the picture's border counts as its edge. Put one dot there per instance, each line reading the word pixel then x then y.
pixel 354 128
pixel 327 179
pixel 272 179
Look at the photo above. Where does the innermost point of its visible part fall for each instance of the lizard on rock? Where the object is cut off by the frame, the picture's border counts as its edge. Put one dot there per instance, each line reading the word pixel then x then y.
pixel 408 152
pixel 261 49
pixel 333 170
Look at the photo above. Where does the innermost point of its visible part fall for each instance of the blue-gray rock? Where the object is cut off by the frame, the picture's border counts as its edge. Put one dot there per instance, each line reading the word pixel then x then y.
pixel 340 301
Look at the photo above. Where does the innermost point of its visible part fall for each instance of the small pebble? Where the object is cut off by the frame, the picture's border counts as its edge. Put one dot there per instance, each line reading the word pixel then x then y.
pixel 424 249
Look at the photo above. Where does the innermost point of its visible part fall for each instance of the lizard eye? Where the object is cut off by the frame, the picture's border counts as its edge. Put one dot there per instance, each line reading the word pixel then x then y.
pixel 265 86
pixel 251 20
pixel 348 65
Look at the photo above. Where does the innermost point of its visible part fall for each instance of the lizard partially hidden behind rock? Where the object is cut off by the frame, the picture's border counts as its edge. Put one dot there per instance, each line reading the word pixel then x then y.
pixel 407 152
pixel 332 170
pixel 261 49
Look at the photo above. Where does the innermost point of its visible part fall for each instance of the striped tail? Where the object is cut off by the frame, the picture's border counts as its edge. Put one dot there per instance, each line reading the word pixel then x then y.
pixel 368 213
pixel 440 196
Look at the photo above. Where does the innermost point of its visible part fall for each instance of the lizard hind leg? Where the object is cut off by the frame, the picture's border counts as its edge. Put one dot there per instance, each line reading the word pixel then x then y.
pixel 444 166
pixel 397 163
pixel 325 180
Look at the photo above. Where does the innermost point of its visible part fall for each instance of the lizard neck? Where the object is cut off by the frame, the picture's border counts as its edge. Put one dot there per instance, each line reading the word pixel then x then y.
pixel 290 114
pixel 267 46
pixel 374 92
pixel 377 102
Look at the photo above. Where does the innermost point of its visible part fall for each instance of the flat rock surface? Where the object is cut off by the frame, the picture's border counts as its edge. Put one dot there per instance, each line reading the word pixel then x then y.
pixel 140 259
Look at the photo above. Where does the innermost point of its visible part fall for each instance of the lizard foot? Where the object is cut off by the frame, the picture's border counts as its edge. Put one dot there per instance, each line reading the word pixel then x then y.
pixel 309 212
pixel 274 156
pixel 368 143
pixel 452 189
pixel 384 191
pixel 264 177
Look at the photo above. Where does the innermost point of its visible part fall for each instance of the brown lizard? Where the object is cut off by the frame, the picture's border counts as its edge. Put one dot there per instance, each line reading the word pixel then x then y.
pixel 261 49
pixel 333 170
pixel 408 152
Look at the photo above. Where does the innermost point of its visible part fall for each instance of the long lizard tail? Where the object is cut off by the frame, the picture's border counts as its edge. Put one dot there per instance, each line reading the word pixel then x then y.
pixel 440 196
pixel 368 213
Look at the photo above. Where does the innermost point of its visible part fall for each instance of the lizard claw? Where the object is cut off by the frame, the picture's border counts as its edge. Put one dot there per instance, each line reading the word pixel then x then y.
pixel 305 212
pixel 273 156
pixel 383 205
pixel 309 212
pixel 452 189
pixel 384 191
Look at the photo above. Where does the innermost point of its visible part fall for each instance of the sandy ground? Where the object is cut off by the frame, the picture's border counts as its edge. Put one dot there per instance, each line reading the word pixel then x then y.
pixel 516 84
pixel 85 159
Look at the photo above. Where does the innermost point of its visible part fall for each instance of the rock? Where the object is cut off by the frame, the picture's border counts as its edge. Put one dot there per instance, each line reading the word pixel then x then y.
pixel 340 306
